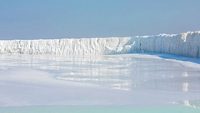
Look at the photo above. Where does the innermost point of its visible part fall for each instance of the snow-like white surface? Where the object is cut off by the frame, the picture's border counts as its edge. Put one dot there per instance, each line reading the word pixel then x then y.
pixel 131 79
pixel 187 44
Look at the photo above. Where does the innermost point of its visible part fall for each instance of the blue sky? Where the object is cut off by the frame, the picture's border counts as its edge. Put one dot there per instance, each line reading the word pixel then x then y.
pixel 28 19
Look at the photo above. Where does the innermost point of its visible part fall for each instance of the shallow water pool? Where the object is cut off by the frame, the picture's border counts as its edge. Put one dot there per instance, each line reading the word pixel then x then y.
pixel 110 83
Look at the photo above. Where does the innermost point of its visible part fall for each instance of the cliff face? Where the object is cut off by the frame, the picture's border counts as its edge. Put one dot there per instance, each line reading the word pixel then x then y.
pixel 186 44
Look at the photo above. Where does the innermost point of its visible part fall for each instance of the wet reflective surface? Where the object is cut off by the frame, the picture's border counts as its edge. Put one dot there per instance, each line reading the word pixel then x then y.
pixel 132 80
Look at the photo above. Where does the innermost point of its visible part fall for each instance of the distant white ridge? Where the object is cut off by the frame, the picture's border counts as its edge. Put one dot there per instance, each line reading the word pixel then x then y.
pixel 186 44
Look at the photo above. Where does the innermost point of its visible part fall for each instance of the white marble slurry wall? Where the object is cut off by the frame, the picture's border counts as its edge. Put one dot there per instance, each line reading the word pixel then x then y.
pixel 186 44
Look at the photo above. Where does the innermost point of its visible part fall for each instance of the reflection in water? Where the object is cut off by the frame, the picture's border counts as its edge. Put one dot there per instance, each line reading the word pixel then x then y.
pixel 192 104
pixel 124 72
pixel 185 88
pixel 103 71
pixel 185 85
pixel 118 72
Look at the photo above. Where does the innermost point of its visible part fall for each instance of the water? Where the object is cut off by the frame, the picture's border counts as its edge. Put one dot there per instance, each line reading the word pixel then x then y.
pixel 112 83
pixel 95 109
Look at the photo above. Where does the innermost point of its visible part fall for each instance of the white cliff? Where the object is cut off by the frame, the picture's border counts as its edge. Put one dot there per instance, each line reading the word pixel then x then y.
pixel 186 44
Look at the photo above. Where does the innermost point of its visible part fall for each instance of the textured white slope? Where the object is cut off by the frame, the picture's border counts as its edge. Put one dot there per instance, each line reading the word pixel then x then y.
pixel 186 44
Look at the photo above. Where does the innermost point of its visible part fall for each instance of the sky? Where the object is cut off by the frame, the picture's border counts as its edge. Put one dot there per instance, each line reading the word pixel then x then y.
pixel 33 19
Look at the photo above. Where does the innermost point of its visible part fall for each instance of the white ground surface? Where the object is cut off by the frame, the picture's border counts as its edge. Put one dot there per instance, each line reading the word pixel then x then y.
pixel 132 79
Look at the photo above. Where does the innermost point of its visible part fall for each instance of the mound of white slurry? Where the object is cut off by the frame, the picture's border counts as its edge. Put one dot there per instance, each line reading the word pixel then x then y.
pixel 186 44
